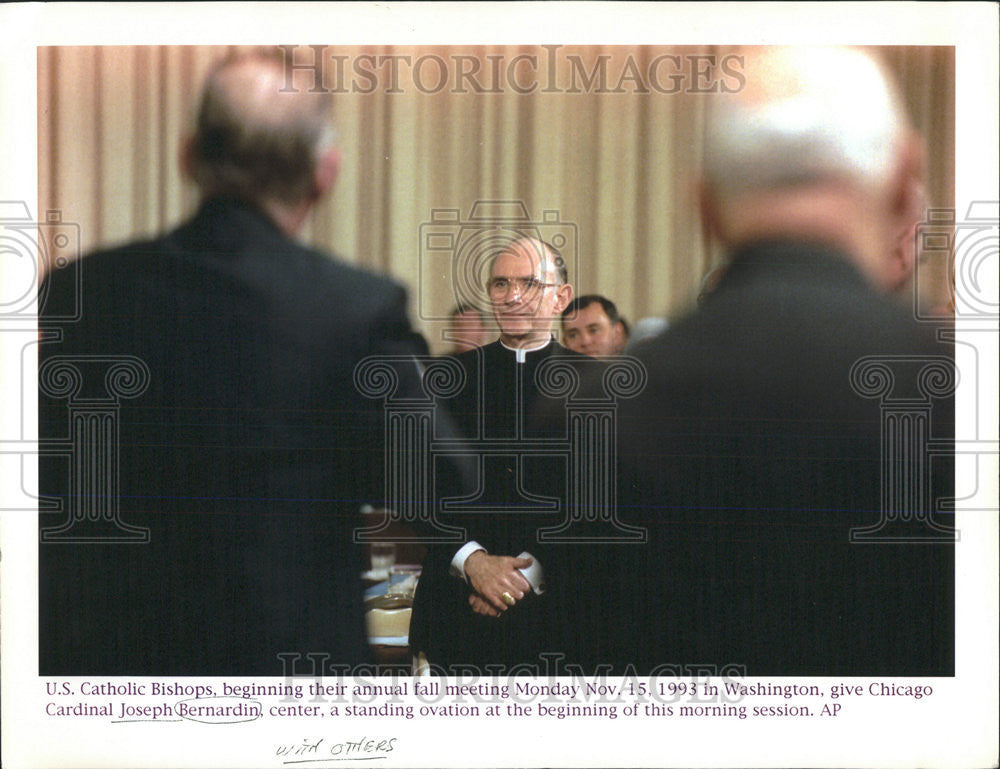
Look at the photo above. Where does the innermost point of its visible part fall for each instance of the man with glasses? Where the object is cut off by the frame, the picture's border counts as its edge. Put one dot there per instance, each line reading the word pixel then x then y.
pixel 495 600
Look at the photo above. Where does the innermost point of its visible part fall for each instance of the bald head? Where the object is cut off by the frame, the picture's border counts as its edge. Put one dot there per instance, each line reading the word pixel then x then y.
pixel 816 144
pixel 549 262
pixel 255 140
pixel 806 114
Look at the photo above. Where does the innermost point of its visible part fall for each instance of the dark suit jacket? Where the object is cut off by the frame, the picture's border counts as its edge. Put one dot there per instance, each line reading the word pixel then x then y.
pixel 750 457
pixel 246 458
pixel 520 492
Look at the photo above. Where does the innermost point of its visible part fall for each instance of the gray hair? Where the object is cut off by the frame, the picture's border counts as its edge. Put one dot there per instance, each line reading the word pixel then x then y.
pixel 817 114
pixel 256 137
pixel 549 257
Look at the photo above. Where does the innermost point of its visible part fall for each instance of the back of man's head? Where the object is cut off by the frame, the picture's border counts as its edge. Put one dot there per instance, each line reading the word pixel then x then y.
pixel 258 136
pixel 805 114
pixel 813 130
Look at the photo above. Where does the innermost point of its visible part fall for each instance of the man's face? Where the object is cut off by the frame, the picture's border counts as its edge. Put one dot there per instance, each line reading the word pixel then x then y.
pixel 523 294
pixel 592 333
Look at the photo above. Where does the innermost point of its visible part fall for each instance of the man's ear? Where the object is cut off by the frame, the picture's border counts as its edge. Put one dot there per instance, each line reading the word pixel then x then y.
pixel 708 210
pixel 618 333
pixel 904 208
pixel 905 199
pixel 326 173
pixel 563 297
pixel 185 154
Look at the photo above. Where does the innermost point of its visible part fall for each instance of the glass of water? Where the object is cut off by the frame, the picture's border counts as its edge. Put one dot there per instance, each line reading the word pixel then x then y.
pixel 383 558
pixel 403 581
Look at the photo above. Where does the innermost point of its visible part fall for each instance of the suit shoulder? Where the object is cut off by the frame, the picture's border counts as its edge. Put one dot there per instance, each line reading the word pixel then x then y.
pixel 107 260
pixel 578 358
pixel 352 279
pixel 99 275
pixel 491 349
pixel 586 365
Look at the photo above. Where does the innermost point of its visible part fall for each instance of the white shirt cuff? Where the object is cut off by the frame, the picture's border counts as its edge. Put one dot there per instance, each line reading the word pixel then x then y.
pixel 458 562
pixel 533 574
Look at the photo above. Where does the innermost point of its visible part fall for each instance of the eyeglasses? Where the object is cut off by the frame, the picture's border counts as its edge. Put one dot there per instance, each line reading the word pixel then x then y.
pixel 501 286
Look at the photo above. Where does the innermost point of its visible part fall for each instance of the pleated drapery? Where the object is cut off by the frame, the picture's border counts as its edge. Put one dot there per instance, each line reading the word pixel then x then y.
pixel 600 145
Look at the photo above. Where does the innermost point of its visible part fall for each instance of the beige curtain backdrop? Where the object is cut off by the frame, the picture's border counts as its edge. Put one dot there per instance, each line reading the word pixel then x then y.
pixel 600 146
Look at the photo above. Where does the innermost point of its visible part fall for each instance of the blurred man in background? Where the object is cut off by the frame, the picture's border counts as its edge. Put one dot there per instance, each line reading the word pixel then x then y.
pixel 248 455
pixel 468 328
pixel 591 325
pixel 646 328
pixel 757 448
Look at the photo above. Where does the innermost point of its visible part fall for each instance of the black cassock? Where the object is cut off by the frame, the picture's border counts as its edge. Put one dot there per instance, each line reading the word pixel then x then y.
pixel 787 417
pixel 516 436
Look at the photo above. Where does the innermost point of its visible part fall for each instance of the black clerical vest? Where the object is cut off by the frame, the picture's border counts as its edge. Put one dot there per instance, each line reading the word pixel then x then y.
pixel 522 482
pixel 517 436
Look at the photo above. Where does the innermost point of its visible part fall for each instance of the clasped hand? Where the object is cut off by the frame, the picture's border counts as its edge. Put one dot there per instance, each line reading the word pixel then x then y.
pixel 493 575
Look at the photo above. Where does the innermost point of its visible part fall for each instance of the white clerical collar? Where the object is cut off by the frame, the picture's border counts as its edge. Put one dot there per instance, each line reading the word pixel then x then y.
pixel 521 353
